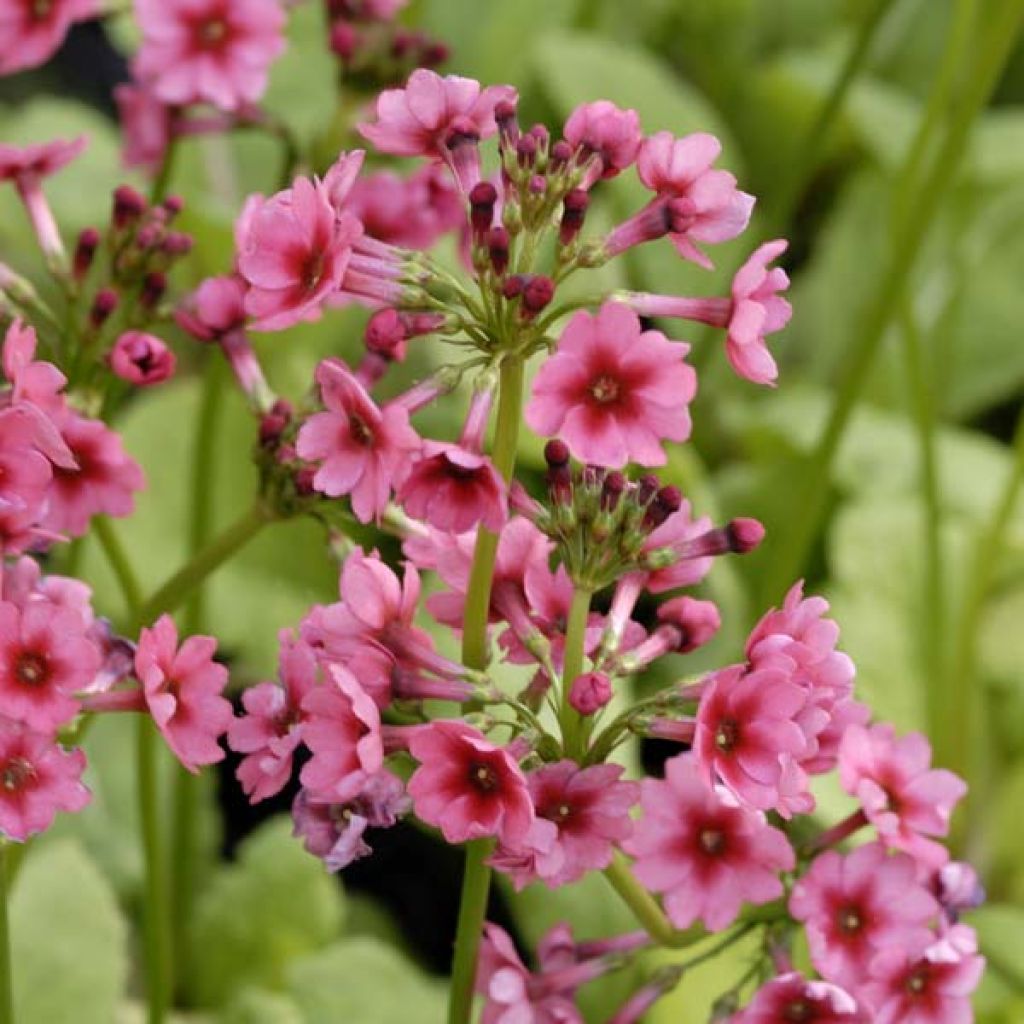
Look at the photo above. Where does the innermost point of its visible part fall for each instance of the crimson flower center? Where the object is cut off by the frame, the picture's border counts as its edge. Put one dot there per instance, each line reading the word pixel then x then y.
pixel 726 735
pixel 557 812
pixel 212 33
pixel 483 777
pixel 40 9
pixel 313 269
pixel 918 981
pixel 359 431
pixel 31 668
pixel 850 920
pixel 798 1011
pixel 604 389
pixel 15 773
pixel 712 840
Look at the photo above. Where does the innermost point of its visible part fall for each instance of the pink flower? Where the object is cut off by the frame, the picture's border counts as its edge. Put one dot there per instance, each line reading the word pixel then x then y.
pixel 590 691
pixel 602 130
pixel 745 733
pixel 208 51
pixel 929 985
pixel 703 851
pixel 791 997
pixel 363 450
pixel 434 117
pixel 468 787
pixel 713 209
pixel 854 905
pixel 183 690
pixel 293 250
pixel 271 729
pixel 45 658
pixel 217 308
pixel 903 797
pixel 145 126
pixel 342 729
pixel 677 532
pixel 335 832
pixel 453 489
pixel 102 482
pixel 142 359
pixel 37 779
pixel 613 392
pixel 31 32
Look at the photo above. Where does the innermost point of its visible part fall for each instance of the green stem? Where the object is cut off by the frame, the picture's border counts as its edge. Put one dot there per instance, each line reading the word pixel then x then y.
pixel 162 180
pixel 575 638
pixel 175 590
pixel 187 785
pixel 476 881
pixel 6 988
pixel 795 544
pixel 120 564
pixel 156 916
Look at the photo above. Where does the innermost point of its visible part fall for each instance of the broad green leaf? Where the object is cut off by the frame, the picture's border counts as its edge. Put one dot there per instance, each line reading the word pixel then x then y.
pixel 69 941
pixel 257 1006
pixel 260 914
pixel 362 979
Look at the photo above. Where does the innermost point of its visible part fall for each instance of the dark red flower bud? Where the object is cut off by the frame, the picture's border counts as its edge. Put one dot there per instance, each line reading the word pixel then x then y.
pixel 102 306
pixel 561 154
pixel 574 210
pixel 556 453
pixel 85 250
pixel 129 206
pixel 744 535
pixel 538 291
pixel 482 198
pixel 173 205
pixel 154 287
pixel 344 40
pixel 612 489
pixel 508 123
pixel 512 287
pixel 497 242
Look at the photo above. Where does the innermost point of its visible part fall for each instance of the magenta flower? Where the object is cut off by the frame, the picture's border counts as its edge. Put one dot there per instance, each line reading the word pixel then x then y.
pixel 293 250
pixel 745 734
pixel 216 308
pixel 602 130
pixel 342 729
pixel 183 689
pixel 854 905
pixel 791 997
pixel 454 489
pixel 707 854
pixel 336 832
pixel 103 480
pixel 145 126
pixel 901 794
pixel 468 787
pixel 929 985
pixel 31 32
pixel 37 779
pixel 45 658
pixel 363 450
pixel 613 392
pixel 142 359
pixel 208 51
pixel 678 532
pixel 270 731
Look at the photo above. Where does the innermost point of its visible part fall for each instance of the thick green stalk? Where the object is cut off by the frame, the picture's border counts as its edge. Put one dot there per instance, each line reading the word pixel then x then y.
pixel 794 545
pixel 575 638
pixel 476 881
pixel 6 989
pixel 162 180
pixel 120 565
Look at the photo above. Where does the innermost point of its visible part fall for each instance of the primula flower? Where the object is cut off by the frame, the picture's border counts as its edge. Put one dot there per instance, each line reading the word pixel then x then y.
pixel 271 729
pixel 791 997
pixel 853 905
pixel 183 688
pixel 37 779
pixel 208 51
pixel 145 126
pixel 335 832
pixel 31 32
pixel 293 250
pixel 45 658
pixel 901 794
pixel 745 733
pixel 468 787
pixel 925 985
pixel 678 532
pixel 603 130
pixel 363 450
pixel 142 359
pixel 612 392
pixel 702 850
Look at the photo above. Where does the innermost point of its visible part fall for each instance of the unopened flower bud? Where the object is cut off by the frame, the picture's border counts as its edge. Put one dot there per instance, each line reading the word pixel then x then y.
pixel 344 40
pixel 497 242
pixel 154 287
pixel 172 206
pixel 538 291
pixel 526 150
pixel 574 209
pixel 508 124
pixel 647 487
pixel 142 359
pixel 304 481
pixel 433 53
pixel 556 453
pixel 274 423
pixel 482 198
pixel 744 535
pixel 102 306
pixel 590 692
pixel 664 503
pixel 561 154
pixel 129 206
pixel 176 244
pixel 611 490
pixel 85 251
pixel 512 287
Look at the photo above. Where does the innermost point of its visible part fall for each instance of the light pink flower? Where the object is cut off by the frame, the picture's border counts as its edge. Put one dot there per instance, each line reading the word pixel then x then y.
pixel 454 489
pixel 363 450
pixel 901 794
pixel 31 32
pixel 853 905
pixel 271 729
pixel 603 130
pixel 929 985
pixel 293 250
pixel 145 126
pixel 468 787
pixel 103 480
pixel 612 392
pixel 745 733
pixel 37 779
pixel 791 997
pixel 183 689
pixel 208 51
pixel 142 359
pixel 45 658
pixel 707 854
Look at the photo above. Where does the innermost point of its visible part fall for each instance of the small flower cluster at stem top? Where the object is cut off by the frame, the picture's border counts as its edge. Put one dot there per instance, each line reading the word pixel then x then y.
pixel 576 578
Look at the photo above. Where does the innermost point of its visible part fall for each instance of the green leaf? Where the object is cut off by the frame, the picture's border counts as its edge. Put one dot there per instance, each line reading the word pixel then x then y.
pixel 276 904
pixel 257 1006
pixel 69 945
pixel 361 980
